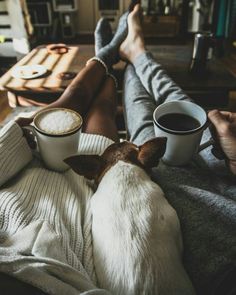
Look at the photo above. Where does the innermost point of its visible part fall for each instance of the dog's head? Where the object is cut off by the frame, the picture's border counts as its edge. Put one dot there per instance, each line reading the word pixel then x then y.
pixel 94 167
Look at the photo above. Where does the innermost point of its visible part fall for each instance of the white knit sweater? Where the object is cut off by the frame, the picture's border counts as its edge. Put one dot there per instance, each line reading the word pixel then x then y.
pixel 45 219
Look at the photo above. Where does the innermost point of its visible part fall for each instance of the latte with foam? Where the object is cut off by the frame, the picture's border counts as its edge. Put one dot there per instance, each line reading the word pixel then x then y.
pixel 58 121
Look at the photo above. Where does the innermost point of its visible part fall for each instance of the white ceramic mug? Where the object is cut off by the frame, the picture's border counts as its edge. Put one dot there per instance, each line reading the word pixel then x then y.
pixel 181 144
pixel 54 148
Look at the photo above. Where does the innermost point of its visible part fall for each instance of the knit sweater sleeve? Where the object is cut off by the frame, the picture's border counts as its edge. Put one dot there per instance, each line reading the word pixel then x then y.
pixel 14 151
pixel 93 144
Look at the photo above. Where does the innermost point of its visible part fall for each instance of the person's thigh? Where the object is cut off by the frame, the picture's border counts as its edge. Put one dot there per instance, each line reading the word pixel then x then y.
pixel 101 118
pixel 138 108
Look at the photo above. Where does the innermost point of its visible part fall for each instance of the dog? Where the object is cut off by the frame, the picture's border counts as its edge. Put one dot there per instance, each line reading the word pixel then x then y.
pixel 137 242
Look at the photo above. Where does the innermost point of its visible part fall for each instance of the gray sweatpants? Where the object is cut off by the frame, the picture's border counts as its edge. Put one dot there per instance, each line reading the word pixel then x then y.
pixel 202 192
pixel 146 86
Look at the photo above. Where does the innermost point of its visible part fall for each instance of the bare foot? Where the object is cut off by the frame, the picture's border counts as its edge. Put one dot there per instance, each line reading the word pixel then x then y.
pixel 134 44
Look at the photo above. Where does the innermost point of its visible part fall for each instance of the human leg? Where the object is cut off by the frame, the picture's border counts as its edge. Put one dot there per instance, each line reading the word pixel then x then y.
pixel 146 84
pixel 81 91
pixel 101 116
pixel 138 108
pixel 155 80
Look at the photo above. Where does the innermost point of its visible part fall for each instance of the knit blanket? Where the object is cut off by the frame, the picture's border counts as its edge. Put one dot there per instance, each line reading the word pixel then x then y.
pixel 45 218
pixel 204 196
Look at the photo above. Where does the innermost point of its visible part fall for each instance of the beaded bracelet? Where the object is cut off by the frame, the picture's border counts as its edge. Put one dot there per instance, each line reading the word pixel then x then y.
pixel 114 79
pixel 100 61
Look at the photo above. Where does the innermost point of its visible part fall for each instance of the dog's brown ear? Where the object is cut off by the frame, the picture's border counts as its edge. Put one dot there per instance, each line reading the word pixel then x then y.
pixel 90 166
pixel 151 151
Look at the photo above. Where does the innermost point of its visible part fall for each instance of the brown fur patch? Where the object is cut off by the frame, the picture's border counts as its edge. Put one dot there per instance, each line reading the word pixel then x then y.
pixel 94 167
pixel 124 151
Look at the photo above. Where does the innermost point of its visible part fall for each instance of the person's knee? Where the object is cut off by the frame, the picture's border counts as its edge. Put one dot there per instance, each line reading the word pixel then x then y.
pixel 79 89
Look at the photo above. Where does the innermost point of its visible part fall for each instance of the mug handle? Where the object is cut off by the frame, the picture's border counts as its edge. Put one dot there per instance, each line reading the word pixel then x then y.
pixel 29 133
pixel 209 142
pixel 206 144
pixel 216 149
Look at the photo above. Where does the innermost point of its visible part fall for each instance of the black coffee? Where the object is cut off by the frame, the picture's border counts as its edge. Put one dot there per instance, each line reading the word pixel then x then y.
pixel 178 122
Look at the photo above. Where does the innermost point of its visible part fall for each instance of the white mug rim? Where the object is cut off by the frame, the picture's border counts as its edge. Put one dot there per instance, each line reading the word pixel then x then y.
pixel 178 132
pixel 68 133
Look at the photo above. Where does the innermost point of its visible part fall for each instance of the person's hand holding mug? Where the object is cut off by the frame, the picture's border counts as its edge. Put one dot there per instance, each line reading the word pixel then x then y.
pixel 23 122
pixel 57 132
pixel 224 134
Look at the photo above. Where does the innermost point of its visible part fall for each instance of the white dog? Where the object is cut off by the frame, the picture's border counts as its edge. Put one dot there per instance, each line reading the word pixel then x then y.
pixel 137 243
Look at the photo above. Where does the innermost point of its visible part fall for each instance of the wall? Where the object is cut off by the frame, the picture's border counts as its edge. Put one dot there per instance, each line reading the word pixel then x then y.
pixel 86 18
pixel 13 28
pixel 86 15
pixel 6 48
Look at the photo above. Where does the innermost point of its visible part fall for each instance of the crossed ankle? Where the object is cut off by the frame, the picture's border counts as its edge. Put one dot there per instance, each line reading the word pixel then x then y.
pixel 108 73
pixel 99 60
pixel 137 53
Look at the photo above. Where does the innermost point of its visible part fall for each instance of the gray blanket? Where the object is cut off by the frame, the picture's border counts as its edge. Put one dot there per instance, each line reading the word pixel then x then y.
pixel 204 196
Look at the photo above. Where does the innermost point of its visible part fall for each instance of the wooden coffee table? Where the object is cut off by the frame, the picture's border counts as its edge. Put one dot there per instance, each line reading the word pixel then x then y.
pixel 45 89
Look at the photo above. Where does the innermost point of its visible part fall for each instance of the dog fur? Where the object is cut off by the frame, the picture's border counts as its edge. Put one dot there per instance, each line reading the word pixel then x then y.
pixel 137 243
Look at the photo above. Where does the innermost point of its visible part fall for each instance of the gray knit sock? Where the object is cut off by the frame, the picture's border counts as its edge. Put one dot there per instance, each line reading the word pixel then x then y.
pixel 102 34
pixel 110 53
